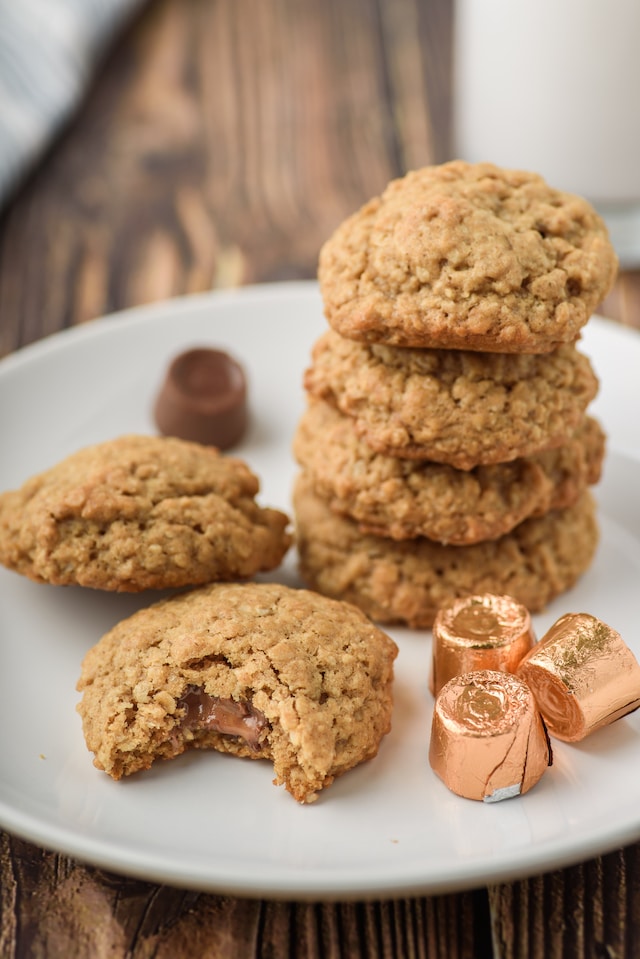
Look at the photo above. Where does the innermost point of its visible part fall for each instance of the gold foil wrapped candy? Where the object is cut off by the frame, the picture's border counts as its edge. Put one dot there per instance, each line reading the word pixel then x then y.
pixel 583 676
pixel 488 740
pixel 485 631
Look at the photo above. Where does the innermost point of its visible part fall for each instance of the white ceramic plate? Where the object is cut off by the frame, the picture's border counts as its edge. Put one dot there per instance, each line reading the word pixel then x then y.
pixel 214 822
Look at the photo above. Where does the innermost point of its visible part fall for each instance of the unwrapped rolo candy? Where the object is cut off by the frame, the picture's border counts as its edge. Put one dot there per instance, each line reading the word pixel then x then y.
pixel 203 398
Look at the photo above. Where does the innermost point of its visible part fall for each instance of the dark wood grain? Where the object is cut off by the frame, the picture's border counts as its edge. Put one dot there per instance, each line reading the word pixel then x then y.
pixel 55 908
pixel 590 910
pixel 220 144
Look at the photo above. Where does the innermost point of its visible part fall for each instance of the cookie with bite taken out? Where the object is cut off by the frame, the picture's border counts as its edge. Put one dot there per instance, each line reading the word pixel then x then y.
pixel 258 670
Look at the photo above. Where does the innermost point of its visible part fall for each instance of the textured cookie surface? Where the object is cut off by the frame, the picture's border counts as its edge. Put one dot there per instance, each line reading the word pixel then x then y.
pixel 467 256
pixel 140 512
pixel 453 406
pixel 408 581
pixel 258 670
pixel 403 498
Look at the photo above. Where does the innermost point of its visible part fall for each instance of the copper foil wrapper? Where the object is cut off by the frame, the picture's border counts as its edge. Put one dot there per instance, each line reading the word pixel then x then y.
pixel 488 740
pixel 583 676
pixel 485 631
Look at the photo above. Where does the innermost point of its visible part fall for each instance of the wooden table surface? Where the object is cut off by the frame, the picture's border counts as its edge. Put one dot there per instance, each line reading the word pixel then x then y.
pixel 221 143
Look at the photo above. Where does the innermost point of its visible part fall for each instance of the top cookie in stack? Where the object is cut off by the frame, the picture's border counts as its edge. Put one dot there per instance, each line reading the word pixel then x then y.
pixel 467 257
pixel 446 448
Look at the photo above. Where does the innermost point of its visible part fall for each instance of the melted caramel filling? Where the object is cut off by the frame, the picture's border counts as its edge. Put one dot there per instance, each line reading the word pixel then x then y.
pixel 227 716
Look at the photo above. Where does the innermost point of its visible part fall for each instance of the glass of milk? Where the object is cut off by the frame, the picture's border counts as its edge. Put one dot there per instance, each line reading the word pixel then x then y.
pixel 553 86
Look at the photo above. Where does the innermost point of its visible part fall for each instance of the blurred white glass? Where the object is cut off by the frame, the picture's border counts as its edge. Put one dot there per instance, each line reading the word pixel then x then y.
pixel 553 86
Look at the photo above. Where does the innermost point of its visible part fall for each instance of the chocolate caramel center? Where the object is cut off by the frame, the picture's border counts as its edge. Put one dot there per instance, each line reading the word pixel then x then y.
pixel 221 715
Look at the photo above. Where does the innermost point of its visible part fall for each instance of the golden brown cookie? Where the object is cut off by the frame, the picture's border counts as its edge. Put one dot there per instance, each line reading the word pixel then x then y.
pixel 573 466
pixel 467 256
pixel 408 581
pixel 257 670
pixel 452 406
pixel 141 512
pixel 404 499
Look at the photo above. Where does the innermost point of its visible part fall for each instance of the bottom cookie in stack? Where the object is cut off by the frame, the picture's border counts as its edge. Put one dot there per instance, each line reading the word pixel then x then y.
pixel 406 581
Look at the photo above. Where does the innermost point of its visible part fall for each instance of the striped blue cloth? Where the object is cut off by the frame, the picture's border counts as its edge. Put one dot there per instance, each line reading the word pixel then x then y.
pixel 48 51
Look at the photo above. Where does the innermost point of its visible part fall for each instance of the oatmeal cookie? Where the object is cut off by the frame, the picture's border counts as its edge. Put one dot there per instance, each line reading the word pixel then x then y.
pixel 141 512
pixel 404 499
pixel 408 581
pixel 453 406
pixel 253 669
pixel 467 256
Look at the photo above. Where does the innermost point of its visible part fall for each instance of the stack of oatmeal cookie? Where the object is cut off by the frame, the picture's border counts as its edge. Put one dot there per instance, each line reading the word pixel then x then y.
pixel 446 447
